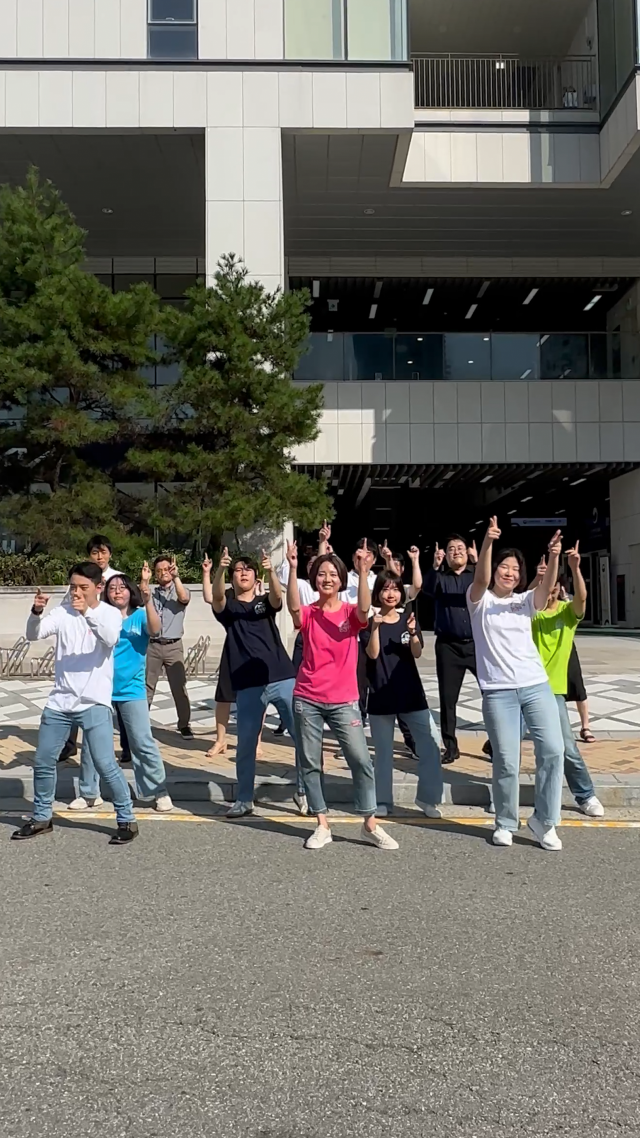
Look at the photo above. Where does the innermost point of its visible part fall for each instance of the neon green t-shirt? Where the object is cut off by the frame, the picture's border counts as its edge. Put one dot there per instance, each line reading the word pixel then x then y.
pixel 553 635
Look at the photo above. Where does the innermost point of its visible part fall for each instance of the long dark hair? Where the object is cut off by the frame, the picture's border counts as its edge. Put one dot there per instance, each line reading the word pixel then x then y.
pixel 136 600
pixel 501 556
pixel 386 577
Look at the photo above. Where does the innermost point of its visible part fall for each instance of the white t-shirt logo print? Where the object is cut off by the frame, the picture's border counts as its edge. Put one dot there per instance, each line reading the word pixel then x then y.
pixel 260 608
pixel 405 638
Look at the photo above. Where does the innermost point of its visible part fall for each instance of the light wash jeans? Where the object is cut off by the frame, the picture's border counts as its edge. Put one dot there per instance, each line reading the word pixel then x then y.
pixel 423 730
pixel 251 704
pixel 97 729
pixel 575 768
pixel 502 711
pixel 148 767
pixel 345 721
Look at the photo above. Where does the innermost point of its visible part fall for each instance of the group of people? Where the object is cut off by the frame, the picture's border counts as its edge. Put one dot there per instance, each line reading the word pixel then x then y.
pixel 356 655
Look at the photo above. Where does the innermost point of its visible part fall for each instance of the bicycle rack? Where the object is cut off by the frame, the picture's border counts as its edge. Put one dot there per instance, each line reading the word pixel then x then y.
pixel 195 660
pixel 44 665
pixel 15 657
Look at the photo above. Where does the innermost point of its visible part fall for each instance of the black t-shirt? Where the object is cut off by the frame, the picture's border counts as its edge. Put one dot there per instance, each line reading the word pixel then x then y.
pixel 394 680
pixel 255 651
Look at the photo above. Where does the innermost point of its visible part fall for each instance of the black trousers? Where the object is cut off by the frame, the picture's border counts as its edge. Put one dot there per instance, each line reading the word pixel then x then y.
pixel 453 659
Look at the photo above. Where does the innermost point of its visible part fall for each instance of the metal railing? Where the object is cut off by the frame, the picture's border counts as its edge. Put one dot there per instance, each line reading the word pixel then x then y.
pixel 505 82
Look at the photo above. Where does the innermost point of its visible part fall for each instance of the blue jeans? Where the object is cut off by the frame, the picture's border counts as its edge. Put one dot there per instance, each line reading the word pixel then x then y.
pixel 430 783
pixel 148 767
pixel 251 704
pixel 575 768
pixel 502 712
pixel 97 729
pixel 345 721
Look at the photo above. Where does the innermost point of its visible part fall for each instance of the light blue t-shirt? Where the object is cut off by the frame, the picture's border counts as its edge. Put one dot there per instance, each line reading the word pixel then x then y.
pixel 129 657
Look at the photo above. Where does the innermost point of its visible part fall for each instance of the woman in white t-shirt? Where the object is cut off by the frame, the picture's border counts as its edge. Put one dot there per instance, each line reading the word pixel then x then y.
pixel 514 685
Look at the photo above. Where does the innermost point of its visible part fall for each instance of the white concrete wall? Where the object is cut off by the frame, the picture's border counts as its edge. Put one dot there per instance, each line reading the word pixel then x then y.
pixel 620 135
pixel 625 543
pixel 501 157
pixel 478 422
pixel 241 29
pixel 74 29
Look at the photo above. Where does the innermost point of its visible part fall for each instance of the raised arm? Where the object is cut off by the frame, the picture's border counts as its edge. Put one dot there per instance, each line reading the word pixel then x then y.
pixel 482 579
pixel 182 594
pixel 541 593
pixel 207 591
pixel 364 592
pixel 430 586
pixel 275 589
pixel 37 628
pixel 293 592
pixel 416 572
pixel 104 621
pixel 324 537
pixel 541 569
pixel 373 647
pixel 579 602
pixel 218 599
pixel 154 621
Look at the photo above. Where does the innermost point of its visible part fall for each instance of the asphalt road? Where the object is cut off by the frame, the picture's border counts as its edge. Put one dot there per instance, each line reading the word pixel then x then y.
pixel 217 979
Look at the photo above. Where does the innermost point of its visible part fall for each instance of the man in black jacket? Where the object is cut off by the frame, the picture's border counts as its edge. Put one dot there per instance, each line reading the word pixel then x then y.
pixel 447 584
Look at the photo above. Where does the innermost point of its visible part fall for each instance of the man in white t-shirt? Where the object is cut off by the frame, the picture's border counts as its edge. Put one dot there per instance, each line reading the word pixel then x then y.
pixel 86 631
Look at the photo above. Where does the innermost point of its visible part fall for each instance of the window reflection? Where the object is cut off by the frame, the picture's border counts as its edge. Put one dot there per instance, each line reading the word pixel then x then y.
pixel 467 355
pixel 515 357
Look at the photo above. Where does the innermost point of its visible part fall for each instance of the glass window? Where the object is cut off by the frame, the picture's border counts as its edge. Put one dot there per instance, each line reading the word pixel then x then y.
pixel 122 281
pixel 173 41
pixel 314 29
pixel 324 360
pixel 376 29
pixel 564 356
pixel 173 286
pixel 515 356
pixel 183 11
pixel 467 355
pixel 368 356
pixel 616 47
pixel 419 357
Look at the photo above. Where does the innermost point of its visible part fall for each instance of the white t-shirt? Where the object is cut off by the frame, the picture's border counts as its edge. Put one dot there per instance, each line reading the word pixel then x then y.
pixel 506 656
pixel 350 594
pixel 308 596
pixel 84 654
pixel 109 572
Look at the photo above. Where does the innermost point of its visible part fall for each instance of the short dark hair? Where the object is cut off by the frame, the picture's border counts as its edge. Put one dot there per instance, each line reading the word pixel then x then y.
pixel 162 557
pixel 136 600
pixel 338 565
pixel 250 563
pixel 456 537
pixel 386 577
pixel 87 569
pixel 372 545
pixel 501 556
pixel 399 557
pixel 98 541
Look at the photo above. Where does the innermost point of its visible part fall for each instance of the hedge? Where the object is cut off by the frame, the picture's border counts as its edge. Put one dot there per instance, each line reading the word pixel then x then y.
pixel 42 569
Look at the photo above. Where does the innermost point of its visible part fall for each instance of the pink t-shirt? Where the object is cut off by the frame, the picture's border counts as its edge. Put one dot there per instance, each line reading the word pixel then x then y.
pixel 328 672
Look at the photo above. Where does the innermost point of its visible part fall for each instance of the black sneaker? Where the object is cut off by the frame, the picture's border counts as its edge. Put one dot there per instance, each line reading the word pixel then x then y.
pixel 125 757
pixel 32 830
pixel 449 756
pixel 488 750
pixel 126 832
pixel 280 729
pixel 186 732
pixel 68 751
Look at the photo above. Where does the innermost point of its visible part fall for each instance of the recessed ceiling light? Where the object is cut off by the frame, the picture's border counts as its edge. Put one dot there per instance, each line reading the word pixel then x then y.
pixel 511 511
pixel 594 300
pixel 627 212
pixel 483 289
pixel 372 311
pixel 409 361
pixel 450 474
pixel 487 478
pixel 565 479
pixel 529 297
pixel 471 311
pixel 315 291
pixel 420 339
pixel 528 499
pixel 479 521
pixel 469 361
pixel 369 212
pixel 105 209
pixel 377 290
pixel 486 339
pixel 428 294
pixel 577 481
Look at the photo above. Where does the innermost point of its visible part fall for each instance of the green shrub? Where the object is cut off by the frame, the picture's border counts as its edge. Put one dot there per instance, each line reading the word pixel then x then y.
pixel 43 569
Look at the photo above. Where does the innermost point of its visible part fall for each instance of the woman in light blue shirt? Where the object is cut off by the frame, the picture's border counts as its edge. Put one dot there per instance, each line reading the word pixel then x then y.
pixel 139 621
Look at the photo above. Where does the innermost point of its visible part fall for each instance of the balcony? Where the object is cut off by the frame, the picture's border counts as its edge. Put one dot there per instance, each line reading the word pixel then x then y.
pixel 505 82
pixel 442 356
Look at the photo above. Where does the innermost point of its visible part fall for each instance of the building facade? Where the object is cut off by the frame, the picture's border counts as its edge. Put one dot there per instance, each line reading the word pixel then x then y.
pixel 456 184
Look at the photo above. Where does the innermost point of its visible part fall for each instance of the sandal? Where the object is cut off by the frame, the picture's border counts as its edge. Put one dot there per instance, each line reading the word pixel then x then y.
pixel 586 735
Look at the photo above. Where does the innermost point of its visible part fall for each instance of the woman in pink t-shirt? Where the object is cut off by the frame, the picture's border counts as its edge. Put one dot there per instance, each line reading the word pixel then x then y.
pixel 326 689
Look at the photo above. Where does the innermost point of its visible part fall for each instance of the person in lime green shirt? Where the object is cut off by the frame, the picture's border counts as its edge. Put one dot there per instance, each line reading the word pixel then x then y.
pixel 553 630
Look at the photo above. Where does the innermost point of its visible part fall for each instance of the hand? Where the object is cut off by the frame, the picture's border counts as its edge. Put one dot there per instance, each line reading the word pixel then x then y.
pixel 265 561
pixel 40 602
pixel 292 554
pixel 145 576
pixel 413 553
pixel 438 557
pixel 493 532
pixel 385 552
pixel 173 569
pixel 555 545
pixel 324 532
pixel 573 557
pixel 207 565
pixel 472 553
pixel 360 558
pixel 376 620
pixel 542 566
pixel 411 624
pixel 225 560
pixel 79 602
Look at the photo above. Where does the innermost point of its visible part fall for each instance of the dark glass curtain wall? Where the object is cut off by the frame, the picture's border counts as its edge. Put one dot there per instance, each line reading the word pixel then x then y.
pixel 617 47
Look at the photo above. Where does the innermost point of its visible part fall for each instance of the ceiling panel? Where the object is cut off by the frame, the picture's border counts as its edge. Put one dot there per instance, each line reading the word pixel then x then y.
pixel 527 27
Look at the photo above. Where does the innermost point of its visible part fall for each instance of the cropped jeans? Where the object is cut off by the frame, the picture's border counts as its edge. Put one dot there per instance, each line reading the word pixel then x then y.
pixel 251 704
pixel 97 729
pixel 345 721
pixel 148 767
pixel 503 711
pixel 423 731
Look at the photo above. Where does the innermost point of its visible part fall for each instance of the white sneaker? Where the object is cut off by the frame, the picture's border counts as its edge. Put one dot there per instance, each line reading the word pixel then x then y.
pixel 301 802
pixel 593 807
pixel 163 804
pixel 383 811
pixel 430 811
pixel 239 809
pixel 502 837
pixel 320 837
pixel 545 835
pixel 85 803
pixel 379 838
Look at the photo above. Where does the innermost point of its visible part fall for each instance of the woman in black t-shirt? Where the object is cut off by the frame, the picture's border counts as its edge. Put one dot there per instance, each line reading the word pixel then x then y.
pixel 393 643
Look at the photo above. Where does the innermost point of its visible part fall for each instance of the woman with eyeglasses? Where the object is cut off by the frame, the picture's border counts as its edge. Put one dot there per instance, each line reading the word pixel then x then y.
pixel 139 621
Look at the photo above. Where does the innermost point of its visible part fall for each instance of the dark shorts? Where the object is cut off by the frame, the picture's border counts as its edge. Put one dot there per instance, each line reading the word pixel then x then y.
pixel 576 691
pixel 224 690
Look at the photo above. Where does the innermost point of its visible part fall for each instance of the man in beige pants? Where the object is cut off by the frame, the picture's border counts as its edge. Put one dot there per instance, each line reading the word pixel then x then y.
pixel 170 600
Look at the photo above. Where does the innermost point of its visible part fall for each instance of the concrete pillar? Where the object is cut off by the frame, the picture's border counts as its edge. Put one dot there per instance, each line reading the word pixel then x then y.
pixel 625 548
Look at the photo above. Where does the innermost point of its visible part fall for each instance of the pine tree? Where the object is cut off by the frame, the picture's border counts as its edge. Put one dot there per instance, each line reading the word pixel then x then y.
pixel 72 396
pixel 234 417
